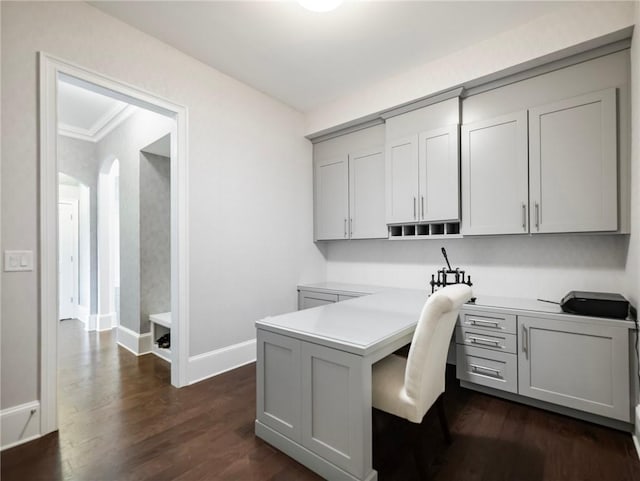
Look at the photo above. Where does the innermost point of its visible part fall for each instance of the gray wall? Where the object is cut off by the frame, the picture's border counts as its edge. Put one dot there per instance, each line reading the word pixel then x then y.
pixel 78 159
pixel 155 236
pixel 125 143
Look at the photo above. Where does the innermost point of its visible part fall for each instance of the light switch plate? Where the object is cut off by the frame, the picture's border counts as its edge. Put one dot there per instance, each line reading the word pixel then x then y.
pixel 18 261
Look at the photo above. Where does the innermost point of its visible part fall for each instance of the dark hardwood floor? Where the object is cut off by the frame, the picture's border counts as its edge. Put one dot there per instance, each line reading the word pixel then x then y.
pixel 120 419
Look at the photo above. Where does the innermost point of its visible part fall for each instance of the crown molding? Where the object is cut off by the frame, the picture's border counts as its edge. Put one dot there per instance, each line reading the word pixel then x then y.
pixel 103 126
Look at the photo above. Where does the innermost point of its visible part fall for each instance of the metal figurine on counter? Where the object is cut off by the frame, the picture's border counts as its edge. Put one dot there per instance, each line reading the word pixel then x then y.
pixel 448 276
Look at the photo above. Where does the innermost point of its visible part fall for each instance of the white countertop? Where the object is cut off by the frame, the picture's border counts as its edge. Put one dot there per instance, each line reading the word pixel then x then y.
pixel 358 325
pixel 163 319
pixel 337 287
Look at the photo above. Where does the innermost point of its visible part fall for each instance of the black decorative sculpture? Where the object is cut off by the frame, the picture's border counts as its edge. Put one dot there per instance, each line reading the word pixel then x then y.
pixel 448 276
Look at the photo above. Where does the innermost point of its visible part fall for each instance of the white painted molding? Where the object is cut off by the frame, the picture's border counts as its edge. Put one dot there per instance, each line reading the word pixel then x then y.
pixel 50 69
pixel 106 321
pixel 209 364
pixel 93 322
pixel 82 313
pixel 138 344
pixel 19 424
pixel 105 124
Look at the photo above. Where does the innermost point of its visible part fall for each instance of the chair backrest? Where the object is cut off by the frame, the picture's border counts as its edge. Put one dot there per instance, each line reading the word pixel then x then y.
pixel 424 376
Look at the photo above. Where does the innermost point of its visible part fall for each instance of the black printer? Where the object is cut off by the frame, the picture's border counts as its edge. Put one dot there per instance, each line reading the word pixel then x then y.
pixel 598 304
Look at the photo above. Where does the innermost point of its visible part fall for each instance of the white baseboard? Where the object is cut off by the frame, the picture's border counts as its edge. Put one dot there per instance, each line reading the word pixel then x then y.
pixel 106 321
pixel 19 424
pixel 83 313
pixel 138 344
pixel 209 364
pixel 636 434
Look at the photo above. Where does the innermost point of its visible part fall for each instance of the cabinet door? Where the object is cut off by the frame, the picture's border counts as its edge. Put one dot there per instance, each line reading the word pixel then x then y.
pixel 584 367
pixel 439 175
pixel 366 195
pixel 278 384
pixel 494 176
pixel 402 180
pixel 573 164
pixel 336 408
pixel 331 198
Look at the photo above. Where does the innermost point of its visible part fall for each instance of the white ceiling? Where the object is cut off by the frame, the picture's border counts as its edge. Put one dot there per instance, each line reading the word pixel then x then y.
pixel 88 115
pixel 306 59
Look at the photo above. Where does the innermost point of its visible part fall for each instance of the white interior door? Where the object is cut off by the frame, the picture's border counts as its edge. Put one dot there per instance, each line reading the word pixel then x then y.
pixel 67 260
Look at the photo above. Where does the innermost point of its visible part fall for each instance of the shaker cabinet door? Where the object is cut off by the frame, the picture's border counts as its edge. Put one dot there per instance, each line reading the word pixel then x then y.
pixel 573 164
pixel 331 198
pixel 495 176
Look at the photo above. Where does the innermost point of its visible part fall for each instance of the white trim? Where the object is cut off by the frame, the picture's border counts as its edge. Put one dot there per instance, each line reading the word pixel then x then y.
pixel 83 314
pixel 49 69
pixel 74 202
pixel 105 321
pixel 19 424
pixel 636 436
pixel 105 124
pixel 138 344
pixel 212 363
pixel 636 444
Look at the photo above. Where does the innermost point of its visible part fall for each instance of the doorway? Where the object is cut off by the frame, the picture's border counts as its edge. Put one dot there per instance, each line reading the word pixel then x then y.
pixel 52 70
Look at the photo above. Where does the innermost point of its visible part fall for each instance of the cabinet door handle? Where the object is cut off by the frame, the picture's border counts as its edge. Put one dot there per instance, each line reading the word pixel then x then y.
pixel 414 208
pixel 350 226
pixel 422 205
pixel 537 216
pixel 484 341
pixel 476 367
pixel 525 341
pixel 345 227
pixel 482 323
pixel 524 217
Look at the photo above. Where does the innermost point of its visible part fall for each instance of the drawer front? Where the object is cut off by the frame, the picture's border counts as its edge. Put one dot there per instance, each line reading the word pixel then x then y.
pixel 309 299
pixel 497 341
pixel 498 370
pixel 488 321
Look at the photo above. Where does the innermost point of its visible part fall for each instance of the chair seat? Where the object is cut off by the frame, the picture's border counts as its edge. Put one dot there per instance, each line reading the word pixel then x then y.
pixel 388 393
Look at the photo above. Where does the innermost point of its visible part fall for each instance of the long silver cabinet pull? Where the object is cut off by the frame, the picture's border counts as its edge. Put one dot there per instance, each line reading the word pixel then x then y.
pixel 350 226
pixel 483 340
pixel 422 204
pixel 476 367
pixel 525 341
pixel 414 207
pixel 524 217
pixel 537 216
pixel 345 227
pixel 482 323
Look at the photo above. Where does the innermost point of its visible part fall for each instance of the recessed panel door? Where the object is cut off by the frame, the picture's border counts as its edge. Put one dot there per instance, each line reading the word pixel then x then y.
pixel 331 198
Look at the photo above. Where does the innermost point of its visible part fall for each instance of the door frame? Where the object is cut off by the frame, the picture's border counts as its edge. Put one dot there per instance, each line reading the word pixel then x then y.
pixel 50 68
pixel 75 248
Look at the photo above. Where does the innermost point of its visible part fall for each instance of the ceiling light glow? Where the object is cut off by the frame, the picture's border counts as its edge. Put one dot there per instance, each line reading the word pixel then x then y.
pixel 320 5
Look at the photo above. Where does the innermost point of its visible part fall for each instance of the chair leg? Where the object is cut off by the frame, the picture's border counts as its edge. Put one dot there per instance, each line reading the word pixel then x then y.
pixel 443 420
pixel 419 454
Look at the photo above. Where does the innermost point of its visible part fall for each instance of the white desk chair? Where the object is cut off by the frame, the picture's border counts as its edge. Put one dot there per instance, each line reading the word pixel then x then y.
pixel 408 387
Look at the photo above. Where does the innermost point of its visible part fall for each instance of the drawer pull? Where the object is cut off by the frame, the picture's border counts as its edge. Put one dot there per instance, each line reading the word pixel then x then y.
pixel 482 323
pixel 483 370
pixel 484 341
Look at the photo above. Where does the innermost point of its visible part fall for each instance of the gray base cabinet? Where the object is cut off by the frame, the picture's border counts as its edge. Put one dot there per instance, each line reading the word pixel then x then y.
pixel 313 395
pixel 580 366
pixel 556 359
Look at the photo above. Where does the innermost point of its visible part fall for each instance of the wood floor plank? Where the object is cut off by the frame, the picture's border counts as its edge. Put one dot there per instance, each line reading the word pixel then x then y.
pixel 121 420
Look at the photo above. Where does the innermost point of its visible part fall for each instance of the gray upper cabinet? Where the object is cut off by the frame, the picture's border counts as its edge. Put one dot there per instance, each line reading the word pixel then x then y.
pixel 573 164
pixel 366 194
pixel 402 180
pixel 331 198
pixel 349 186
pixel 495 176
pixel 439 174
pixel 423 164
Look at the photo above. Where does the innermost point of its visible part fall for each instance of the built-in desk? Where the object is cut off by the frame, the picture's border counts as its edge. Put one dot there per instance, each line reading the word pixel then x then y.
pixel 314 378
pixel 314 369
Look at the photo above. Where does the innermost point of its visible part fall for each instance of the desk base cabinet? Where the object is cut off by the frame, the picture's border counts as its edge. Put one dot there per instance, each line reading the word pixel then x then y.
pixel 575 365
pixel 313 396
